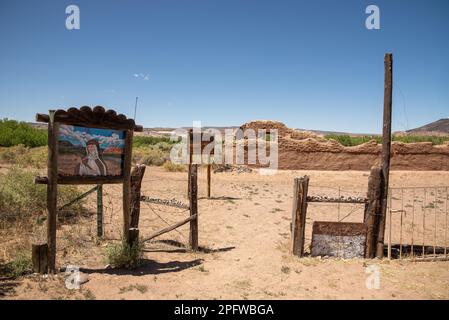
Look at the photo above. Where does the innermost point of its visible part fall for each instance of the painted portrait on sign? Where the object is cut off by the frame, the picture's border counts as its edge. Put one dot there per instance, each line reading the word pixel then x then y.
pixel 90 152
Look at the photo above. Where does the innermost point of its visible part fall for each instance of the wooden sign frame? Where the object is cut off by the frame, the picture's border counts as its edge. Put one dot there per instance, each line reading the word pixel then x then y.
pixel 204 144
pixel 86 117
pixel 191 152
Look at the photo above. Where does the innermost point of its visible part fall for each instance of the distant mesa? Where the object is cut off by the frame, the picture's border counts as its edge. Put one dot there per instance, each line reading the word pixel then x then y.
pixel 439 127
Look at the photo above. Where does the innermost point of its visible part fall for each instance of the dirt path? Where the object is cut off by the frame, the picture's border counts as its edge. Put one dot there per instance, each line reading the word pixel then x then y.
pixel 246 241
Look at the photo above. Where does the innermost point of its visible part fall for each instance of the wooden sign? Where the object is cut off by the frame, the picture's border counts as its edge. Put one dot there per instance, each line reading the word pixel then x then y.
pixel 205 148
pixel 86 146
pixel 91 146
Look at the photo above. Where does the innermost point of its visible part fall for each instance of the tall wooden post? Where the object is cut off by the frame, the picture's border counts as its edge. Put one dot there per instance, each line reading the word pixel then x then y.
pixel 299 215
pixel 136 183
pixel 193 199
pixel 127 184
pixel 190 151
pixel 99 210
pixel 208 179
pixel 386 149
pixel 372 212
pixel 52 190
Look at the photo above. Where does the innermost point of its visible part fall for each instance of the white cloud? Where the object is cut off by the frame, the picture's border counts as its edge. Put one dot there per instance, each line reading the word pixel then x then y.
pixel 144 76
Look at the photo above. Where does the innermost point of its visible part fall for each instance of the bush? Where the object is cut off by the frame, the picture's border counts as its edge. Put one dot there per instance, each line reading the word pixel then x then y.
pixel 19 266
pixel 20 197
pixel 13 133
pixel 25 157
pixel 123 255
pixel 173 167
pixel 140 141
pixel 150 155
pixel 350 141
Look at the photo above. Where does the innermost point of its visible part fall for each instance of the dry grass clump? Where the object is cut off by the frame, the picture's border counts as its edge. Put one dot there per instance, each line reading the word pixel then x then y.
pixel 151 155
pixel 22 211
pixel 19 266
pixel 21 198
pixel 23 156
pixel 123 255
pixel 173 167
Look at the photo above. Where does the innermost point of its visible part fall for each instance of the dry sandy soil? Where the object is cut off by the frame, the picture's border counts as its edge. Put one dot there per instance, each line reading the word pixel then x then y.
pixel 244 235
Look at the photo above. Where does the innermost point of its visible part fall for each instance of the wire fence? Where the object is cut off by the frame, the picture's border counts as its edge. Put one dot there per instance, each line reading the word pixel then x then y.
pixel 417 222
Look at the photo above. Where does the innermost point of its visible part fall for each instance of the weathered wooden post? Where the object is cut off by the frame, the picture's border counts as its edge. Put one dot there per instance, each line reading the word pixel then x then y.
pixel 100 210
pixel 136 183
pixel 372 212
pixel 208 179
pixel 127 184
pixel 193 199
pixel 190 155
pixel 133 236
pixel 52 190
pixel 39 256
pixel 299 213
pixel 386 149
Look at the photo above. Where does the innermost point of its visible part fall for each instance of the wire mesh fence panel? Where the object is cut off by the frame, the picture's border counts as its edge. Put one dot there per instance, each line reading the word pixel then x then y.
pixel 417 222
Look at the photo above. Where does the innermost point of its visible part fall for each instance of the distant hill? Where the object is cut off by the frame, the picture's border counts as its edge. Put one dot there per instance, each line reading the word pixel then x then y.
pixel 438 127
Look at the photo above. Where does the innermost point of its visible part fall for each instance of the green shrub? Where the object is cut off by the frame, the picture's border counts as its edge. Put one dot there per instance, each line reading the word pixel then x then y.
pixel 20 197
pixel 19 266
pixel 13 133
pixel 150 155
pixel 173 167
pixel 123 255
pixel 139 141
pixel 436 140
pixel 25 157
pixel 350 141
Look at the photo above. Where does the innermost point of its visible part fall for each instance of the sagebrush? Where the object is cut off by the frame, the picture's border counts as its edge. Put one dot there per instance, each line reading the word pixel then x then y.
pixel 13 133
pixel 123 255
pixel 21 198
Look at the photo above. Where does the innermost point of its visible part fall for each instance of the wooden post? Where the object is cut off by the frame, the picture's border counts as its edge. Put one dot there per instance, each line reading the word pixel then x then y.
pixel 39 256
pixel 193 198
pixel 99 210
pixel 133 236
pixel 127 184
pixel 299 213
pixel 208 180
pixel 386 149
pixel 190 133
pixel 52 190
pixel 372 212
pixel 136 183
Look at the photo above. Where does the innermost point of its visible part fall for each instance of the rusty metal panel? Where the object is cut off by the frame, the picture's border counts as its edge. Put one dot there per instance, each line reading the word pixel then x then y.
pixel 338 239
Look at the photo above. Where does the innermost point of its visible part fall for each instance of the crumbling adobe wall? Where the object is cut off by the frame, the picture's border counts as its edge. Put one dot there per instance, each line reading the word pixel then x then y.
pixel 309 154
pixel 302 150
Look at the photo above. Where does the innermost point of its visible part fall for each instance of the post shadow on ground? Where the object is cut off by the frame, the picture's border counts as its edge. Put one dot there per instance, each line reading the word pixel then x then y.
pixel 148 267
pixel 219 198
pixel 182 249
pixel 7 287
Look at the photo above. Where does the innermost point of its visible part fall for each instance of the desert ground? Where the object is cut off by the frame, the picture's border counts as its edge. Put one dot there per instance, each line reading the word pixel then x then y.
pixel 245 245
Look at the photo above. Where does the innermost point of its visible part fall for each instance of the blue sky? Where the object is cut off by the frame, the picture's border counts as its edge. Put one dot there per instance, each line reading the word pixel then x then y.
pixel 309 64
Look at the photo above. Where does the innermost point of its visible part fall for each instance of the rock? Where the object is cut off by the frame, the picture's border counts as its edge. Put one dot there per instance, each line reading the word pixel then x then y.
pixel 83 278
